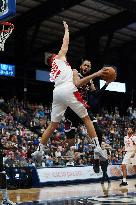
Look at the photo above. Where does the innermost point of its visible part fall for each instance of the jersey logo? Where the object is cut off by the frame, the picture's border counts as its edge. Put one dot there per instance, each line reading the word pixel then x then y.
pixel 55 72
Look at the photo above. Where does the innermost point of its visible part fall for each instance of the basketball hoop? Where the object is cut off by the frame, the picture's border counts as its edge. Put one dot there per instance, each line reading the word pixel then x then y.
pixel 6 29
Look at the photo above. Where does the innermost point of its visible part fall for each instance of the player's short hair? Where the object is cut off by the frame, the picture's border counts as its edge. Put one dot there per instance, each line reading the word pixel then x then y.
pixel 85 59
pixel 50 59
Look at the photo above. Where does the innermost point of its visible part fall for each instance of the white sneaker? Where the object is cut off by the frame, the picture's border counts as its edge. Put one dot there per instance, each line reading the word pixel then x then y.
pixel 40 151
pixel 37 154
pixel 99 152
pixel 7 202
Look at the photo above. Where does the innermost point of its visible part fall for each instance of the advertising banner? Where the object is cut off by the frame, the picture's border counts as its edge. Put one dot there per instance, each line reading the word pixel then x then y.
pixel 78 173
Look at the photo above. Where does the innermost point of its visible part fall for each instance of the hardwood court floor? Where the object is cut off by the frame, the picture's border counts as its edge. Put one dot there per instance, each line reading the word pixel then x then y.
pixel 92 193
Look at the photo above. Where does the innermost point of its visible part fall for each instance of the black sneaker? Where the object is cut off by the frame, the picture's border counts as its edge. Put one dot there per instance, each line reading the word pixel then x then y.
pixel 96 166
pixel 123 184
pixel 7 202
pixel 101 153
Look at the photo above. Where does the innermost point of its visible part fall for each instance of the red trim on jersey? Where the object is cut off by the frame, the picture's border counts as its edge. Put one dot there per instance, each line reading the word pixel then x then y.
pixel 80 99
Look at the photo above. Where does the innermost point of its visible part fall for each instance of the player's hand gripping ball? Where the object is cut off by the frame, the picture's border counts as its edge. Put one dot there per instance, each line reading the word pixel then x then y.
pixel 109 74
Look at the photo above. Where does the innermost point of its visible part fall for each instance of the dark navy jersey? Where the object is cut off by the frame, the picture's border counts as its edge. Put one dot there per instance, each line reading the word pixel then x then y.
pixel 85 89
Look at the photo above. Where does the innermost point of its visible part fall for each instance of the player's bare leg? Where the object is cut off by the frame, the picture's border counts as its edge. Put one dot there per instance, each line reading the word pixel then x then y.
pixel 45 136
pixel 48 132
pixel 124 171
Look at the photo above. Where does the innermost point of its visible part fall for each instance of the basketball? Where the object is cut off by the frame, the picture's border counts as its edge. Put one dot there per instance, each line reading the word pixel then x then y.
pixel 109 75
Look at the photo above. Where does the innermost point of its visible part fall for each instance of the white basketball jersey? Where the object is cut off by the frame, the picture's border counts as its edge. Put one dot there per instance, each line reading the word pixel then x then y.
pixel 61 73
pixel 130 143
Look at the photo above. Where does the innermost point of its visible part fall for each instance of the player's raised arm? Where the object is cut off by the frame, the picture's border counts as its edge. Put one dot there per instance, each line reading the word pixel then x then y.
pixel 64 48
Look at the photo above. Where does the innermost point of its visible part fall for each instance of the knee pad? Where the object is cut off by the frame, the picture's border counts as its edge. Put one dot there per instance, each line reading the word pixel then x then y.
pixel 3 181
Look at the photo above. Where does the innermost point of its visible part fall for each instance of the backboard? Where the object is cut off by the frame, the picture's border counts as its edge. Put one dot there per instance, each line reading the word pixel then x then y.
pixel 7 9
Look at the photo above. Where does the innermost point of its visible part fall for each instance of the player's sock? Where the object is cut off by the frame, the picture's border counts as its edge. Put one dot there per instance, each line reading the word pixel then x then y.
pixel 124 179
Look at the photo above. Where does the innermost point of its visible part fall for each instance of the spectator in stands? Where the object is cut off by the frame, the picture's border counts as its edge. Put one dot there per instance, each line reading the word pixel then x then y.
pixel 58 153
pixel 49 161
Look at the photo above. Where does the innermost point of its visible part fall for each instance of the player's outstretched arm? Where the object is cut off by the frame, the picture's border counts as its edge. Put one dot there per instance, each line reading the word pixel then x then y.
pixel 80 82
pixel 64 48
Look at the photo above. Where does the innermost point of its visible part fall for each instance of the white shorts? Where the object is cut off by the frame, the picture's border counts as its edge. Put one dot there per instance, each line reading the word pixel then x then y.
pixel 64 97
pixel 128 159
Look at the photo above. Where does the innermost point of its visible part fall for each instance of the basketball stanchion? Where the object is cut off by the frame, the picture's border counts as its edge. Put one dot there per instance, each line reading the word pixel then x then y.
pixel 6 29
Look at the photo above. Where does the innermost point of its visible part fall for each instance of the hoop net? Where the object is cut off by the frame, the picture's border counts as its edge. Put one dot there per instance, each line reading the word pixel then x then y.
pixel 5 32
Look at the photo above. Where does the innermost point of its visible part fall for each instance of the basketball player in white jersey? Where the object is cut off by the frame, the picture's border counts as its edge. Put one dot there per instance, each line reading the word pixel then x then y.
pixel 130 156
pixel 65 93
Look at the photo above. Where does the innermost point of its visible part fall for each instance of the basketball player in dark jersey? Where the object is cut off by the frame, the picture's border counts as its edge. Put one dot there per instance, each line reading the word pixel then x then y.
pixel 90 93
pixel 3 181
pixel 90 89
pixel 85 91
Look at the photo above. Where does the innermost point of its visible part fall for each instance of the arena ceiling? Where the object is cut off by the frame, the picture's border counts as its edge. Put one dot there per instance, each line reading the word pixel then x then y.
pixel 97 27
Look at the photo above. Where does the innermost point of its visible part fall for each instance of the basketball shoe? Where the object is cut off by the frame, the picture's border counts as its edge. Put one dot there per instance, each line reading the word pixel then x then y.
pixel 7 202
pixel 123 183
pixel 40 151
pixel 99 152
